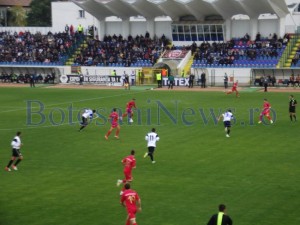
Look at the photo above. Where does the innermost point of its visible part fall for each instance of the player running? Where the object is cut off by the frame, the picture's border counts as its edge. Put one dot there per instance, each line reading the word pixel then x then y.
pixel 113 117
pixel 88 114
pixel 265 111
pixel 151 138
pixel 227 117
pixel 234 89
pixel 128 111
pixel 131 200
pixel 129 163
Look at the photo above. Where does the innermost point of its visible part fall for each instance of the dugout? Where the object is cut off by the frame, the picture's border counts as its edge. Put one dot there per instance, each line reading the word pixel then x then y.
pixel 282 76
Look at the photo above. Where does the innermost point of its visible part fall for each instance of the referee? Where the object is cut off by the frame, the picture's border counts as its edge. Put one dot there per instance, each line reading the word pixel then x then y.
pixel 16 145
pixel 292 108
pixel 220 218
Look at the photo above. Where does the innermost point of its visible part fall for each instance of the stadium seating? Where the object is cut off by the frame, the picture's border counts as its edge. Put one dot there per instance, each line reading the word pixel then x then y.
pixel 238 53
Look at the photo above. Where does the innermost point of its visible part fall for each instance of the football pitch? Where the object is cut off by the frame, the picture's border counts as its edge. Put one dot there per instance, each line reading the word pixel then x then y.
pixel 69 177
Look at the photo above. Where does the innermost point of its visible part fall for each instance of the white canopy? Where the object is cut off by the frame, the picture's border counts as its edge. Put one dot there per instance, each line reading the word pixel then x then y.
pixel 176 9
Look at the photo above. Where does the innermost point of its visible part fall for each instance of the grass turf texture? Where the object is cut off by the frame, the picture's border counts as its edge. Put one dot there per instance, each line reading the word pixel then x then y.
pixel 68 177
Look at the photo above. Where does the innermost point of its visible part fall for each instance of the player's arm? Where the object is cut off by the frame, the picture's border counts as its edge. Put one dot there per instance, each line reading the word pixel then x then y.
pixel 133 165
pixel 122 202
pixel 221 116
pixel 157 138
pixel 95 115
pixel 146 137
pixel 139 204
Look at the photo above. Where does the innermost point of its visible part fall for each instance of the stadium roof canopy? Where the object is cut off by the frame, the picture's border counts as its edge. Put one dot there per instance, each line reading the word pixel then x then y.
pixel 176 9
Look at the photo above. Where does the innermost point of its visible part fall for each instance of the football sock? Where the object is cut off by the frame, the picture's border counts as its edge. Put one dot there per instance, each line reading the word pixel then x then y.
pixel 19 160
pixel 291 117
pixel 81 127
pixel 128 221
pixel 117 133
pixel 295 117
pixel 10 162
pixel 108 133
pixel 151 156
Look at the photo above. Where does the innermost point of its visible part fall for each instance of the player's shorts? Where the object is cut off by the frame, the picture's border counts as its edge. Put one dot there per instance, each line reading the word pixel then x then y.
pixel 292 109
pixel 131 213
pixel 128 110
pixel 151 149
pixel 128 176
pixel 227 124
pixel 84 121
pixel 233 89
pixel 114 124
pixel 266 112
pixel 16 152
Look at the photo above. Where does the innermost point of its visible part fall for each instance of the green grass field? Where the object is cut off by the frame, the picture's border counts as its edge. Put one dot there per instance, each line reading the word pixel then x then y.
pixel 69 177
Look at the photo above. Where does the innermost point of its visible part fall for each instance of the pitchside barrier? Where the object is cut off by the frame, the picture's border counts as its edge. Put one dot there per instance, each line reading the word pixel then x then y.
pixel 147 76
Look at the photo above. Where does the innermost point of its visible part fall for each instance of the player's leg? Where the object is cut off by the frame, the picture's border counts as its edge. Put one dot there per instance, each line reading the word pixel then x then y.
pixel 228 130
pixel 269 117
pixel 7 168
pixel 147 153
pixel 108 132
pixel 20 158
pixel 83 123
pixel 261 117
pixel 117 132
pixel 124 114
pixel 294 115
pixel 133 222
pixel 128 220
pixel 131 217
pixel 151 153
pixel 128 177
pixel 130 115
pixel 291 116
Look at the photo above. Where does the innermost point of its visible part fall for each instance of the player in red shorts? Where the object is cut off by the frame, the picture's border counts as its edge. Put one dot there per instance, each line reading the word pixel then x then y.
pixel 129 111
pixel 234 89
pixel 265 111
pixel 129 163
pixel 114 117
pixel 131 200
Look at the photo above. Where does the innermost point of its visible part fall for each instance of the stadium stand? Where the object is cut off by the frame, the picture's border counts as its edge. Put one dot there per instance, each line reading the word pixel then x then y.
pixel 25 48
pixel 259 53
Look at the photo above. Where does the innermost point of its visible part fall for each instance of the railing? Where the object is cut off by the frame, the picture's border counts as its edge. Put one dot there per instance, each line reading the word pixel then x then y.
pixel 284 60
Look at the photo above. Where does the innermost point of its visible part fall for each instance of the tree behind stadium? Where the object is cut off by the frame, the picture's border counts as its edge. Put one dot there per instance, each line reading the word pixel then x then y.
pixel 40 13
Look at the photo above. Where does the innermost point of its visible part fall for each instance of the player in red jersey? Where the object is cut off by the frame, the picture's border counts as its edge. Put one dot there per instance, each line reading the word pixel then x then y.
pixel 129 163
pixel 265 111
pixel 234 89
pixel 129 111
pixel 114 117
pixel 131 200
